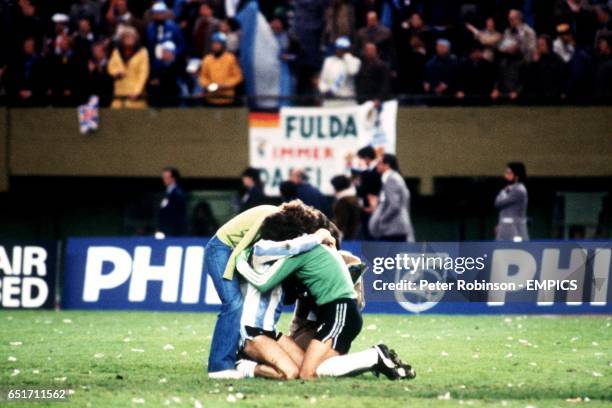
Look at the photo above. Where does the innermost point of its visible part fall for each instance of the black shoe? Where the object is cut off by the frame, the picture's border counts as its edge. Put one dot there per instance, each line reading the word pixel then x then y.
pixel 405 370
pixel 385 364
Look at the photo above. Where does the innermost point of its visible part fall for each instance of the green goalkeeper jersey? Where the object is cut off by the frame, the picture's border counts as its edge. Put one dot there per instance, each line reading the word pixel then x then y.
pixel 321 270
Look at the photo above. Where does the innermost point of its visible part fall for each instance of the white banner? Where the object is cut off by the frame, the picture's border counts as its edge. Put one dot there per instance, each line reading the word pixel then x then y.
pixel 321 141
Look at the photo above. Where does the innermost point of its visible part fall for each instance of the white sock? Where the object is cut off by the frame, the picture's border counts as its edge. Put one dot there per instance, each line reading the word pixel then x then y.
pixel 247 368
pixel 349 364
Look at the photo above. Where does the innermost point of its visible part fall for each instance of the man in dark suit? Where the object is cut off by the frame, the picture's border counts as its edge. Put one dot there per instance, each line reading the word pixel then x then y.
pixel 253 189
pixel 309 194
pixel 369 186
pixel 347 209
pixel 172 219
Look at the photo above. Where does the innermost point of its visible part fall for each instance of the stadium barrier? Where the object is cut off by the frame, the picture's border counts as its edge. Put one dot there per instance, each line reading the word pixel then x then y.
pixel 549 277
pixel 150 274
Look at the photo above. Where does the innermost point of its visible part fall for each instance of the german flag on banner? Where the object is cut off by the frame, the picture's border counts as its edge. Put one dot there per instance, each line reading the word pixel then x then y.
pixel 264 120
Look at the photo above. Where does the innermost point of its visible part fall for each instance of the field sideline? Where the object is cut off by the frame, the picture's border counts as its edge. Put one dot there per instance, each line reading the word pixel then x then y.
pixel 122 359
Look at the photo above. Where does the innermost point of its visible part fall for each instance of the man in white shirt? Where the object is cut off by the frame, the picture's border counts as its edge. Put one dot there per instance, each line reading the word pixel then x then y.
pixel 565 43
pixel 337 78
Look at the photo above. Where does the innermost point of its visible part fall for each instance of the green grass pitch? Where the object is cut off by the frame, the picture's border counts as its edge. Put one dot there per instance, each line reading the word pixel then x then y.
pixel 123 359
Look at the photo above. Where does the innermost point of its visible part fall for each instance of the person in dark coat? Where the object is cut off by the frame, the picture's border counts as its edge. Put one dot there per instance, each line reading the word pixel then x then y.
pixel 603 68
pixel 95 79
pixel 63 67
pixel 164 79
pixel 373 79
pixel 545 75
pixel 25 76
pixel 253 189
pixel 476 75
pixel 172 219
pixel 203 223
pixel 412 61
pixel 369 186
pixel 347 210
pixel 309 194
pixel 441 70
pixel 288 191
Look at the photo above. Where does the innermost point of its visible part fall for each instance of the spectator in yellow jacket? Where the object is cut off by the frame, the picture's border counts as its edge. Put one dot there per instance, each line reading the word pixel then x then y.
pixel 129 66
pixel 220 73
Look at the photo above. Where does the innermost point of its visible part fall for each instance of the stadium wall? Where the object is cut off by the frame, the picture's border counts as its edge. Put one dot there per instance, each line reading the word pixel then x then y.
pixel 432 142
pixel 201 142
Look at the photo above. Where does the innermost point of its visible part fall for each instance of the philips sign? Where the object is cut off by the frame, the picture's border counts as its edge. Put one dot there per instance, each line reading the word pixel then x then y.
pixel 137 274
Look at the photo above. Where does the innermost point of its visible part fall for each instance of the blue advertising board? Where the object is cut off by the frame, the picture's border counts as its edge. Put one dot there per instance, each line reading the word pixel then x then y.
pixel 479 277
pixel 136 274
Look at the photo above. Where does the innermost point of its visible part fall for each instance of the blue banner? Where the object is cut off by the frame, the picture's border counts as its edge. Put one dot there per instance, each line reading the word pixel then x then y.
pixel 480 277
pixel 487 277
pixel 137 274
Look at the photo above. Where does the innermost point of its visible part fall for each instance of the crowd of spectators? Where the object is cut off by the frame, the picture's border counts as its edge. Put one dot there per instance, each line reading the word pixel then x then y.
pixel 132 53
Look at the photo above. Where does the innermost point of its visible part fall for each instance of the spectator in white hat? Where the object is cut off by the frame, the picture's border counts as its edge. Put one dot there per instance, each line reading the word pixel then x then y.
pixel 163 84
pixel 338 74
pixel 161 29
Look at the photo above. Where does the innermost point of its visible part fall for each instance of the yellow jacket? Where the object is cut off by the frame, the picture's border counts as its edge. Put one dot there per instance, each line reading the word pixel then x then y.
pixel 241 232
pixel 224 71
pixel 135 75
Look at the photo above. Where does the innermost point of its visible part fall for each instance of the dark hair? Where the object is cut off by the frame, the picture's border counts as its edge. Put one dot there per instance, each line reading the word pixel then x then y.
pixel 391 161
pixel 331 227
pixel 292 220
pixel 302 174
pixel 288 190
pixel 176 175
pixel 340 182
pixel 476 46
pixel 233 24
pixel 367 152
pixel 254 174
pixel 519 170
pixel 549 42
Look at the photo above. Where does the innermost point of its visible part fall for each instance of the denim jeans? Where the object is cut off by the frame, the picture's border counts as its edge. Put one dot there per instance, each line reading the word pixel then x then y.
pixel 227 329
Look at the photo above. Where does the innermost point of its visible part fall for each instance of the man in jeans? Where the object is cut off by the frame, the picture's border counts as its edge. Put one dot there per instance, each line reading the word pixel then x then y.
pixel 220 261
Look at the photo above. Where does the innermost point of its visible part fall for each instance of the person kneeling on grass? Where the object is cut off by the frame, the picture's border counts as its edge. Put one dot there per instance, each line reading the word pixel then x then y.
pixel 219 262
pixel 322 271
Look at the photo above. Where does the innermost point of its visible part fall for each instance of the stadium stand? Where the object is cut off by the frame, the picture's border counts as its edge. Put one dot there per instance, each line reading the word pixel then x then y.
pixel 424 52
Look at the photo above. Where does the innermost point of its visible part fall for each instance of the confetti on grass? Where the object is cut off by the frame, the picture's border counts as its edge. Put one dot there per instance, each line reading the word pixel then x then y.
pixel 445 397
